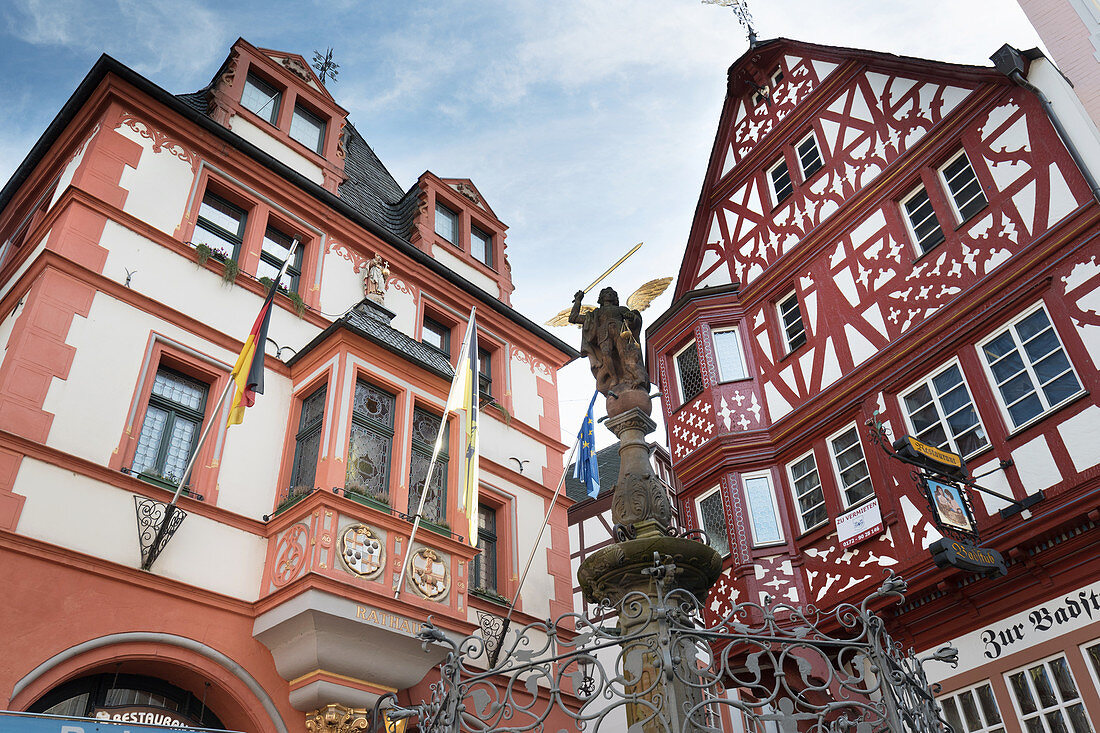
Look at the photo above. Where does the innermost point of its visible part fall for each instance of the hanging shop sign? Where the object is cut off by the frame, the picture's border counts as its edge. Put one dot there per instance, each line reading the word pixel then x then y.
pixel 963 555
pixel 931 458
pixel 861 523
pixel 951 509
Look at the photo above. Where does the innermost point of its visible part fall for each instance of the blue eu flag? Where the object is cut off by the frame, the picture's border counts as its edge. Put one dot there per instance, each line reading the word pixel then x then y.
pixel 586 469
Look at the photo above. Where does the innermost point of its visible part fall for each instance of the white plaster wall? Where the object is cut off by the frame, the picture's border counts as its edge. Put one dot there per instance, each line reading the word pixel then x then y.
pixel 341 285
pixel 102 381
pixel 75 512
pixel 539 587
pixel 180 284
pixel 277 149
pixel 997 481
pixel 6 328
pixel 158 187
pixel 1036 465
pixel 70 169
pixel 526 403
pixel 6 287
pixel 1080 128
pixel 445 258
pixel 499 442
pixel 1081 435
pixel 404 307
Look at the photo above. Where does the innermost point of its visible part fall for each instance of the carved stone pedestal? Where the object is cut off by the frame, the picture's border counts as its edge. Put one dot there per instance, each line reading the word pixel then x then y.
pixel 641 512
pixel 335 718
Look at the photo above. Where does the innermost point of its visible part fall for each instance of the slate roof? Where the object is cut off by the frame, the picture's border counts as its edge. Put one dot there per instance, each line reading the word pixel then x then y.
pixel 608 462
pixel 371 322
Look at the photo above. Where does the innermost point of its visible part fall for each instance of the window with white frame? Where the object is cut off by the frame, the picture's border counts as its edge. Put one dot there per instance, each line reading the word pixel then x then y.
pixel 962 184
pixel 779 178
pixel 261 98
pixel 808 496
pixel 973 710
pixel 307 128
pixel 727 349
pixel 809 156
pixel 689 376
pixel 1047 699
pixel 924 227
pixel 851 467
pixel 940 412
pixel 763 509
pixel 1029 367
pixel 446 223
pixel 790 318
pixel 1091 652
pixel 777 76
pixel 712 520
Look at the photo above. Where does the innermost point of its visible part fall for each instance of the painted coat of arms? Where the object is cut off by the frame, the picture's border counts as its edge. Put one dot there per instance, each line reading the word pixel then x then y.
pixel 362 550
pixel 428 573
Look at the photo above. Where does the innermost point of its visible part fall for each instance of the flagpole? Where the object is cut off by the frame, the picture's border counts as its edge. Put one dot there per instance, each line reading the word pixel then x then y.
pixel 542 529
pixel 399 582
pixel 170 508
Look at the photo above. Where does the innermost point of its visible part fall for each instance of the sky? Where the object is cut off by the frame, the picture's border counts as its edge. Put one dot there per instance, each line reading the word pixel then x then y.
pixel 585 124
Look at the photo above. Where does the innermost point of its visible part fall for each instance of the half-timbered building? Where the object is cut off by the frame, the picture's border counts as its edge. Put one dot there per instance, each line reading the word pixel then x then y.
pixel 135 239
pixel 913 243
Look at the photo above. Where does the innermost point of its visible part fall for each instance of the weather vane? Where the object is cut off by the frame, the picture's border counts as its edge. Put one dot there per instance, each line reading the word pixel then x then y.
pixel 325 66
pixel 741 10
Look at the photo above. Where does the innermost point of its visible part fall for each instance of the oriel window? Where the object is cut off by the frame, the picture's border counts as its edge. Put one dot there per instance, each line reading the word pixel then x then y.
pixel 371 442
pixel 307 442
pixel 425 427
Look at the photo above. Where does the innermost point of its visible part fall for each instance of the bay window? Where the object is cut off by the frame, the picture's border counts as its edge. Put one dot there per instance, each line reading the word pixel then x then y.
pixel 371 442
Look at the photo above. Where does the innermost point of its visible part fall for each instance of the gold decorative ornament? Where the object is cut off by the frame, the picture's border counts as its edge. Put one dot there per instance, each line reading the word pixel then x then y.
pixel 428 574
pixel 362 551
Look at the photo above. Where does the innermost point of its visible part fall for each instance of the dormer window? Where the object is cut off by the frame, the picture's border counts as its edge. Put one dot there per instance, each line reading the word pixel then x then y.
pixel 481 246
pixel 446 223
pixel 307 128
pixel 261 98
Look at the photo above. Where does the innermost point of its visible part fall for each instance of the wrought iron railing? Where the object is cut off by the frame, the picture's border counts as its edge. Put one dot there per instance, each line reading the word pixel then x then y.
pixel 800 668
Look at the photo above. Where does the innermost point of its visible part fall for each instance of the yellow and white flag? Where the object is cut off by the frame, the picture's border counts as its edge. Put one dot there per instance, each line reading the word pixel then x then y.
pixel 463 398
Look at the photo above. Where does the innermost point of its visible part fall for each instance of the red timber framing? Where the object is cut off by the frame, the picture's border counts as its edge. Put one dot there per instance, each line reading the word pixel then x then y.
pixel 836 260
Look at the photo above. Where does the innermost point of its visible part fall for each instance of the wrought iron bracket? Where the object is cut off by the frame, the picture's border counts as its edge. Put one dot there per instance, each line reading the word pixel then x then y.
pixel 157 522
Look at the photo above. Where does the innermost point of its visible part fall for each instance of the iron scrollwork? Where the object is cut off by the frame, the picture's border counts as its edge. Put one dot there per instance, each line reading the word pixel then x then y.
pixel 150 517
pixel 808 670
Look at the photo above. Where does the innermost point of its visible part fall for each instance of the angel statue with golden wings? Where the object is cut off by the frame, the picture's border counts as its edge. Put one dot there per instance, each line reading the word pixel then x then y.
pixel 611 339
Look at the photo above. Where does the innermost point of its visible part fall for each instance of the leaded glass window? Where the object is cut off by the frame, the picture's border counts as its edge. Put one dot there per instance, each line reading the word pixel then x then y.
pixel 307 442
pixel 171 426
pixel 851 467
pixel 941 413
pixel 483 571
pixel 425 427
pixel 1030 368
pixel 713 520
pixel 689 373
pixel 371 442
pixel 763 512
pixel 973 710
pixel 807 492
pixel 1047 698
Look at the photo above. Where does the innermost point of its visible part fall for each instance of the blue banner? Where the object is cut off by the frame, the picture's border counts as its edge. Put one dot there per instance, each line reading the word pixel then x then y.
pixel 28 723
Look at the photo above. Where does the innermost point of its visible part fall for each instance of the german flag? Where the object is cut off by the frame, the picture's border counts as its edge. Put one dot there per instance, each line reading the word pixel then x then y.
pixel 248 372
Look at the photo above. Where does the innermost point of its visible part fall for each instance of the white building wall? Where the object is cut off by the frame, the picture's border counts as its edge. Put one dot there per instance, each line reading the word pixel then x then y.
pixel 1079 126
pixel 159 187
pixel 276 149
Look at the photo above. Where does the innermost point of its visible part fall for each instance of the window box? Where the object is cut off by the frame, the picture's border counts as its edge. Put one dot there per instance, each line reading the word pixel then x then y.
pixel 157 480
pixel 367 500
pixel 490 596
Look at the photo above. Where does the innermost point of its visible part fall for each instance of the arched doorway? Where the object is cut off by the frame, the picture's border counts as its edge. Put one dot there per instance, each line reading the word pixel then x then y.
pixel 130 698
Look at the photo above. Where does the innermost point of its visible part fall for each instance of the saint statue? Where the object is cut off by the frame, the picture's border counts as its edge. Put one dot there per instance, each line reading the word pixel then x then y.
pixel 375 280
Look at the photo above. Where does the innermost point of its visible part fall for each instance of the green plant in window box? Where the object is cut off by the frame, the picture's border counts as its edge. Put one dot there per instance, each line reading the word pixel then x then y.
pixel 295 299
pixel 156 479
pixel 440 527
pixel 202 253
pixel 489 595
pixel 230 270
pixel 380 503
